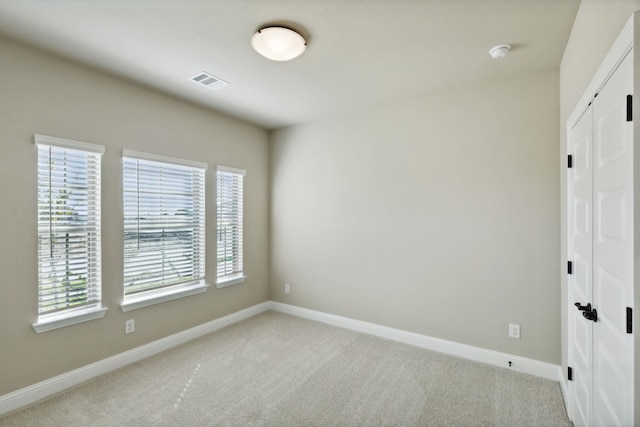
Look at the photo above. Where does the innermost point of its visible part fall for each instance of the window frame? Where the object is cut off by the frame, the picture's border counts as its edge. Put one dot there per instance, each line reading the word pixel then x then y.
pixel 238 275
pixel 94 309
pixel 167 292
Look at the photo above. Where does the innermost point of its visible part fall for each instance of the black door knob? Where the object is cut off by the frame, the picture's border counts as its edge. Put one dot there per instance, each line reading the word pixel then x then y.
pixel 587 312
pixel 591 315
pixel 586 308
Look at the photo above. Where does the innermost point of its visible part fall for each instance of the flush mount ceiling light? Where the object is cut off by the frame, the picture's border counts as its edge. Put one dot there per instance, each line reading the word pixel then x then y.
pixel 499 51
pixel 278 43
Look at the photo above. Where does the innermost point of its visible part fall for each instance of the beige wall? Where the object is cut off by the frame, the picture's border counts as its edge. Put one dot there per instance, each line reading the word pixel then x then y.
pixel 438 215
pixel 42 94
pixel 597 25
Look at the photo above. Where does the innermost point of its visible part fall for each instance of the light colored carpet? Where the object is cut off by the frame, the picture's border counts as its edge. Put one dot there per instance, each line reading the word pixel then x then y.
pixel 279 370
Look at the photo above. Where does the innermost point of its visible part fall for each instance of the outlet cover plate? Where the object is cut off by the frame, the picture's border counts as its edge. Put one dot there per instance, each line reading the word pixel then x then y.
pixel 514 331
pixel 129 326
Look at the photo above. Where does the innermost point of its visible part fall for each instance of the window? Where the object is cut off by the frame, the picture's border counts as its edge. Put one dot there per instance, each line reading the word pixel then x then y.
pixel 69 262
pixel 229 219
pixel 164 229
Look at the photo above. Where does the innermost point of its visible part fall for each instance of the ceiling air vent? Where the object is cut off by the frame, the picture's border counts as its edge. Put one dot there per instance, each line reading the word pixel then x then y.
pixel 212 82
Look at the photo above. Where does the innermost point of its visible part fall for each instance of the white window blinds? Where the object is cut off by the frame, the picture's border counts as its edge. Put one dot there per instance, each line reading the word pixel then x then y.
pixel 229 183
pixel 164 223
pixel 69 262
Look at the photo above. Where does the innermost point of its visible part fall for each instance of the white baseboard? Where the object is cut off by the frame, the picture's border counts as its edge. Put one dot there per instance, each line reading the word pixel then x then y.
pixel 35 392
pixel 496 358
pixel 43 389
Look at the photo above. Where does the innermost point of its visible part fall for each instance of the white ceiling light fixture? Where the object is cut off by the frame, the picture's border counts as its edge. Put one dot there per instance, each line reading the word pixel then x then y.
pixel 278 43
pixel 500 51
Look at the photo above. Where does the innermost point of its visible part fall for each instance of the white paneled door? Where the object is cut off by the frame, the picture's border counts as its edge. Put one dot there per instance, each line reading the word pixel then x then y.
pixel 581 276
pixel 601 250
pixel 613 250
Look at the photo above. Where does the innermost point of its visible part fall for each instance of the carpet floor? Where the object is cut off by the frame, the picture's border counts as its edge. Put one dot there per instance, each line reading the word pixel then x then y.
pixel 279 370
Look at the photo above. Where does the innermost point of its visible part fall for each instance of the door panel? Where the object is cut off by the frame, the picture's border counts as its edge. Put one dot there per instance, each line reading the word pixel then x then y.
pixel 613 251
pixel 581 237
pixel 613 207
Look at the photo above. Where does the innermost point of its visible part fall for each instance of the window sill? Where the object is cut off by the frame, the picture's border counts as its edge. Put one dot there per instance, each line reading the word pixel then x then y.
pixel 60 320
pixel 160 296
pixel 230 281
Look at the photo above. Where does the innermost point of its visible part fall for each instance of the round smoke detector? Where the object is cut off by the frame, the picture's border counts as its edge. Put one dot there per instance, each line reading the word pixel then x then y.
pixel 499 51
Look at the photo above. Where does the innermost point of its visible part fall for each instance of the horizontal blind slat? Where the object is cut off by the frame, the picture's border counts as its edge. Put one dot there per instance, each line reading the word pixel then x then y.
pixel 69 262
pixel 164 224
pixel 229 186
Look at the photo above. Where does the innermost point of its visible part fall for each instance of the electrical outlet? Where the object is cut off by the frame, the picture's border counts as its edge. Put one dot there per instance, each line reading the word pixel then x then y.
pixel 129 326
pixel 514 331
pixel 287 288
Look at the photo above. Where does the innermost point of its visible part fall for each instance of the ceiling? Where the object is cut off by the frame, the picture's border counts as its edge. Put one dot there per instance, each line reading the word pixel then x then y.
pixel 360 52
